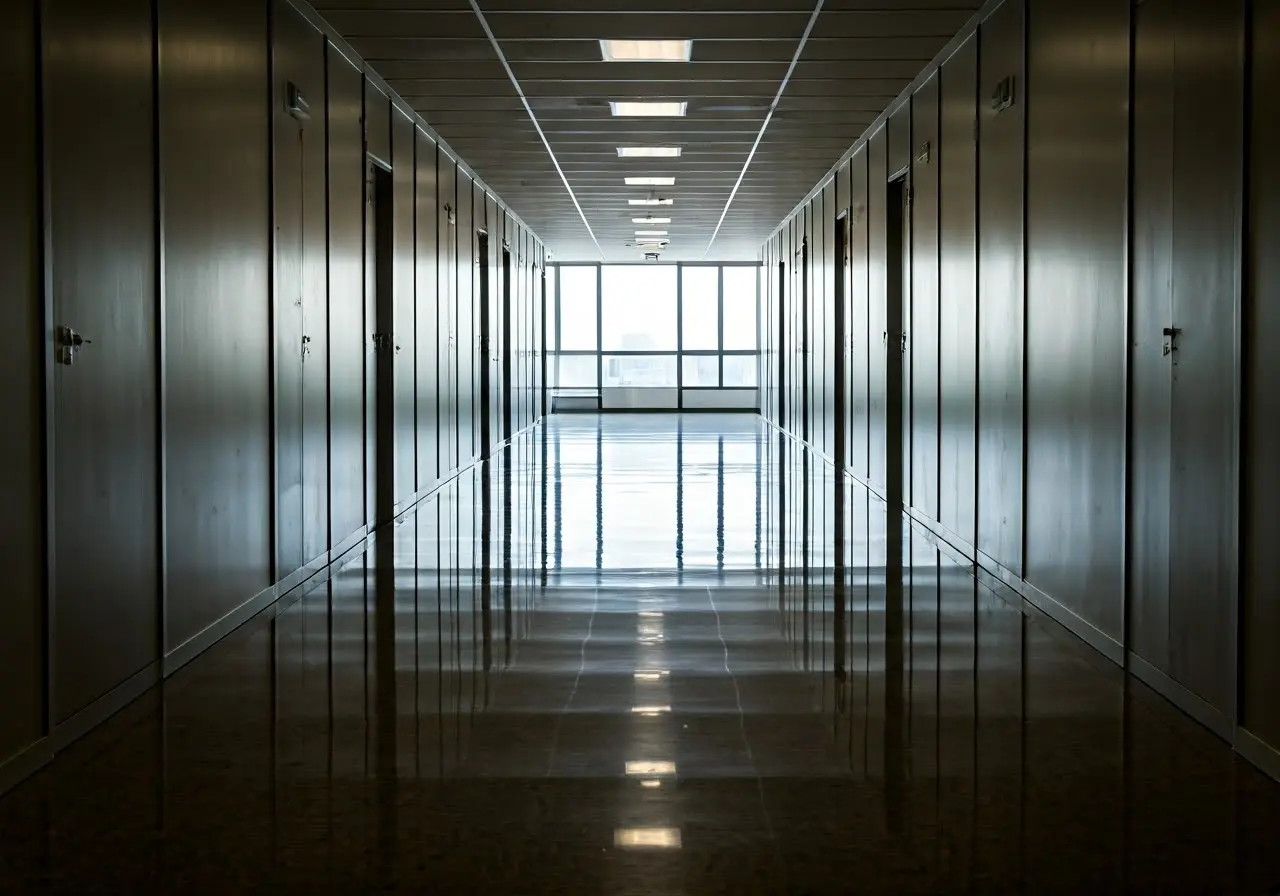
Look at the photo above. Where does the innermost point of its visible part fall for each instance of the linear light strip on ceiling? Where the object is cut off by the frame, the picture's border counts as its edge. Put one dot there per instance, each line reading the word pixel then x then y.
pixel 484 23
pixel 777 97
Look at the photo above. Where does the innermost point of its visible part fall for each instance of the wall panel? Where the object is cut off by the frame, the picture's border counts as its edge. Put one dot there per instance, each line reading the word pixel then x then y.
pixel 101 241
pixel 348 331
pixel 810 237
pixel 958 296
pixel 404 203
pixel 1152 385
pixel 898 347
pixel 377 123
pixel 427 311
pixel 495 218
pixel 877 308
pixel 922 327
pixel 1260 614
pixel 1001 311
pixel 466 340
pixel 301 296
pixel 1187 133
pixel 859 321
pixel 827 336
pixel 215 193
pixel 1207 201
pixel 22 353
pixel 1077 133
pixel 448 313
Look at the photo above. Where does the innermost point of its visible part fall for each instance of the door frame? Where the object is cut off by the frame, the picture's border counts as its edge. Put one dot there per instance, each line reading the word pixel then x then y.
pixel 381 254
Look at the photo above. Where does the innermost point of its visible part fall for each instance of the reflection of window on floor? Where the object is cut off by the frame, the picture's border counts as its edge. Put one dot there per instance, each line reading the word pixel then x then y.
pixel 640 370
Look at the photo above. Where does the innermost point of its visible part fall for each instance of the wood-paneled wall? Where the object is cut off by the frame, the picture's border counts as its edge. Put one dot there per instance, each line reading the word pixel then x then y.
pixel 1089 300
pixel 211 446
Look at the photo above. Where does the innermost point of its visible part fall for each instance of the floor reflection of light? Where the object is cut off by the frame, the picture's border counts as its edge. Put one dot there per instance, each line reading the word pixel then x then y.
pixel 650 767
pixel 647 838
pixel 652 675
pixel 650 710
pixel 651 783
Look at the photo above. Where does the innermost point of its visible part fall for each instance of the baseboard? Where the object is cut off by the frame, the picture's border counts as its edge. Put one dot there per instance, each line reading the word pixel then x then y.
pixel 24 764
pixel 955 547
pixel 1258 751
pixel 300 575
pixel 348 543
pixel 105 707
pixel 1183 698
pixel 1079 626
pixel 197 644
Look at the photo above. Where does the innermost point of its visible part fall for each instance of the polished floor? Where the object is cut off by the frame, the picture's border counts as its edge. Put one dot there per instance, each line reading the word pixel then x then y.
pixel 647 655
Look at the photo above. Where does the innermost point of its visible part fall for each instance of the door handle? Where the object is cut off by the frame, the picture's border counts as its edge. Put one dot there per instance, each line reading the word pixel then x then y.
pixel 68 342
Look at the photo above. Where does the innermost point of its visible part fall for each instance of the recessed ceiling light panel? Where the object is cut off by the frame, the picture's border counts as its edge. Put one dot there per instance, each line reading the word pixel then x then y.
pixel 649 152
pixel 648 108
pixel 650 181
pixel 650 220
pixel 646 50
pixel 650 202
pixel 651 233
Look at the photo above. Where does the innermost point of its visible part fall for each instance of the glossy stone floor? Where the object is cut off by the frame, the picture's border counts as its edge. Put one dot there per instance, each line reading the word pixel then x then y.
pixel 647 655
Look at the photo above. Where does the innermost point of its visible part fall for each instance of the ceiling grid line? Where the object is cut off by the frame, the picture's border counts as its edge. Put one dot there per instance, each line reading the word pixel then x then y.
pixel 535 121
pixel 777 97
pixel 515 82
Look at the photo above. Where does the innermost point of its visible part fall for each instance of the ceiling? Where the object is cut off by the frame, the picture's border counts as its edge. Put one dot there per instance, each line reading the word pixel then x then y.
pixel 859 56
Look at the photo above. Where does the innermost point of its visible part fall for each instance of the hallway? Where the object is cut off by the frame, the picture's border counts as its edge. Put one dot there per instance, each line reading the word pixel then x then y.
pixel 625 696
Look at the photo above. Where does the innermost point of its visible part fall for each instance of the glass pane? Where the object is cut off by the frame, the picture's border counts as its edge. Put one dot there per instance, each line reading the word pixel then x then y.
pixel 740 308
pixel 700 312
pixel 640 370
pixel 740 371
pixel 551 309
pixel 639 307
pixel 574 372
pixel 578 307
pixel 701 371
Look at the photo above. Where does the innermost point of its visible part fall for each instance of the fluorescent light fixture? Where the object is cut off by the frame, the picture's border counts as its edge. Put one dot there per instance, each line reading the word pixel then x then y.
pixel 647 233
pixel 653 710
pixel 647 838
pixel 650 783
pixel 650 768
pixel 649 152
pixel 648 108
pixel 650 181
pixel 650 202
pixel 650 220
pixel 651 613
pixel 646 50
pixel 654 675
